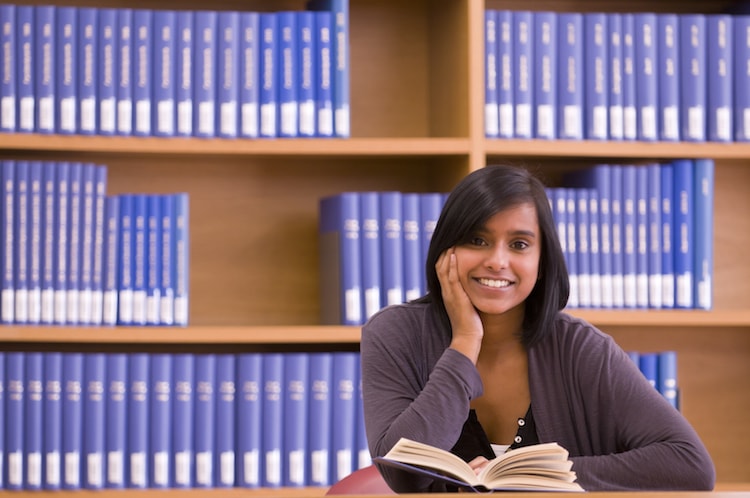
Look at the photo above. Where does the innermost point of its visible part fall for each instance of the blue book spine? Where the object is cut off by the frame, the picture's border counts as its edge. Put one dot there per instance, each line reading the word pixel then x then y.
pixel 106 64
pixel 595 241
pixel 618 237
pixel 295 429
pixel 741 78
pixel 412 258
pixel 668 77
pixel 719 66
pixel 116 394
pixel 629 234
pixel 110 266
pixel 166 264
pixel 9 68
pixel 596 75
pixel 392 247
pixel 94 410
pixel 49 170
pixel 7 290
pixel 268 95
pixel 25 95
pixel 306 62
pixel 66 56
pixel 249 61
pixel 33 419
pixel 72 417
pixel 160 420
pixel 693 77
pixel 138 399
pixel 430 205
pixel 491 118
pixel 184 57
pixel 125 261
pixel 653 220
pixel 602 186
pixel 340 261
pixel 181 259
pixel 703 234
pixel 559 208
pixel 226 407
pixel 370 236
pixel 614 76
pixel 273 412
pixel 648 364
pixel 153 259
pixel 183 401
pixel 140 258
pixel 683 235
pixel 523 73
pixel 87 241
pixel 364 459
pixel 98 244
pixel 343 414
pixel 629 83
pixel 323 74
pixel 320 413
pixel 249 411
pixel 14 419
pixel 545 75
pixel 52 431
pixel 124 73
pixel 666 376
pixel 641 237
pixel 35 241
pixel 88 70
pixel 667 223
pixel 61 246
pixel 288 103
pixel 646 75
pixel 571 76
pixel 21 243
pixel 165 55
pixel 75 185
pixel 204 80
pixel 583 246
pixel 505 73
pixel 44 73
pixel 571 232
pixel 143 41
pixel 205 417
pixel 228 77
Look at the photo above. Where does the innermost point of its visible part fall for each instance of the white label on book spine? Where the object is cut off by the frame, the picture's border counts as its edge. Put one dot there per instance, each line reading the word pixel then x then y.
pixel 319 467
pixel 34 469
pixel 88 115
pixel 138 469
pixel 182 468
pixel 251 465
pixel 46 114
pixel 115 467
pixel 307 118
pixel 161 468
pixel 26 114
pixel 8 110
pixel 94 469
pixel 185 117
pixel 143 117
pixel 165 112
pixel 696 122
pixel 226 469
pixel 52 469
pixel 72 469
pixel 203 468
pixel 273 466
pixel 15 468
pixel 343 464
pixel 297 467
pixel 68 114
pixel 206 118
pixel 107 115
pixel 8 296
pixel 125 117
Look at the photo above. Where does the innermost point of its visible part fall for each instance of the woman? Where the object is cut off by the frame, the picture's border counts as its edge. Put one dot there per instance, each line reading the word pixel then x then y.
pixel 487 360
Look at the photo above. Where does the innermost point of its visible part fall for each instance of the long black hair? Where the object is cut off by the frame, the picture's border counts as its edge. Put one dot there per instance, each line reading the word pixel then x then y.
pixel 478 197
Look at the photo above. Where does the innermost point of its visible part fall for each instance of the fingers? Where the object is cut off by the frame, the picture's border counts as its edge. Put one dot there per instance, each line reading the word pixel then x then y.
pixel 478 464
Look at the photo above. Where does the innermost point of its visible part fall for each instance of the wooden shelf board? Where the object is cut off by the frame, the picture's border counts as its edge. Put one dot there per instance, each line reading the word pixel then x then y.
pixel 664 318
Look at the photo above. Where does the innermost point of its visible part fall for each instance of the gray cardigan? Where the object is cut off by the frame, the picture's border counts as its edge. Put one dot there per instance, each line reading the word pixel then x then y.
pixel 586 394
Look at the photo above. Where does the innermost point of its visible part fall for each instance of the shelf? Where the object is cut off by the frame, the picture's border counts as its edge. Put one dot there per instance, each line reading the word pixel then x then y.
pixel 664 318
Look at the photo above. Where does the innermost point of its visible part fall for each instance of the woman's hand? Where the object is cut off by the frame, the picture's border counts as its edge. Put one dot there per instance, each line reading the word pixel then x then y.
pixel 465 323
pixel 478 464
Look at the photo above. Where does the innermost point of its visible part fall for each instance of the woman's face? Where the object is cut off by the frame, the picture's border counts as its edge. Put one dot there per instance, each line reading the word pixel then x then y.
pixel 499 266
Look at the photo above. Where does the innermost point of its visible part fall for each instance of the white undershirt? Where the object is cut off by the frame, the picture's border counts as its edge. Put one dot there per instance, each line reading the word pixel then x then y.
pixel 499 449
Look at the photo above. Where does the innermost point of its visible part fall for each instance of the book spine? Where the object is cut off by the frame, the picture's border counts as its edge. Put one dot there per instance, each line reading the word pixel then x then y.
pixel 107 67
pixel 646 76
pixel 184 57
pixel 324 74
pixel 52 431
pixel 571 76
pixel 44 73
pixel 654 235
pixel 33 419
pixel 160 420
pixel 343 414
pixel 648 365
pixel 110 266
pixel 411 256
pixel 205 416
pixel 49 171
pixel 741 78
pixel 668 76
pixel 370 252
pixel 225 421
pixel 523 73
pixel 571 231
pixel 140 258
pixel 21 243
pixel 72 418
pixel 9 68
pixel 295 409
pixel 545 71
pixel 392 247
pixel 138 416
pixel 595 255
pixel 249 410
pixel 273 403
pixel 125 261
pixel 87 216
pixel 629 80
pixel 683 236
pixel 320 413
pixel 288 104
pixel 228 78
pixel 341 68
pixel 166 265
pixel 98 244
pixel 88 70
pixel 306 62
pixel 505 73
pixel 182 420
pixel 719 66
pixel 116 421
pixel 268 95
pixel 124 72
pixel 601 184
pixel 666 376
pixel 73 280
pixel 25 95
pixel 153 259
pixel 204 80
pixel 583 246
pixel 430 205
pixel 596 76
pixel 7 288
pixel 249 74
pixel 14 419
pixel 143 40
pixel 667 223
pixel 629 235
pixel 618 238
pixel 559 212
pixel 693 77
pixel 703 234
pixel 94 410
pixel 641 237
pixel 164 55
pixel 614 75
pixel 67 64
pixel 491 118
pixel 181 259
pixel 35 245
pixel 364 458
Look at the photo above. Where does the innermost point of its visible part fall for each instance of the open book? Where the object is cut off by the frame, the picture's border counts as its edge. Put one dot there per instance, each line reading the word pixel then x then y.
pixel 539 467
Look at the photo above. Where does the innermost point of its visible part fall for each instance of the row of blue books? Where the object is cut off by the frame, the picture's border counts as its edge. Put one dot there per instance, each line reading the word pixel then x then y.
pixel 660 369
pixel 612 76
pixel 144 72
pixel 638 236
pixel 73 255
pixel 179 420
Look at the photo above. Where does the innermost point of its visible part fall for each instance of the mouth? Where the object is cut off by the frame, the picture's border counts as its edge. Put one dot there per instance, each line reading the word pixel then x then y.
pixel 494 283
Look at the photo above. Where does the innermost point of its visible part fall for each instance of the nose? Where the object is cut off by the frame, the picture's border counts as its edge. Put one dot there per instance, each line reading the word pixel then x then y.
pixel 498 258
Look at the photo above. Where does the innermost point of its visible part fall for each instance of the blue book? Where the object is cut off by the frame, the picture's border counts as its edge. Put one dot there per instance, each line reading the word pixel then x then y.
pixel 125 261
pixel 629 234
pixel 138 401
pixel 323 74
pixel 8 80
pixel 641 237
pixel 143 42
pixel 559 209
pixel 340 259
pixel 703 233
pixel 741 77
pixel 160 420
pixel 629 83
pixel 523 73
pixel 597 76
pixel 571 231
pixel 693 77
pixel 646 75
pixel 204 419
pixel 110 265
pixel 7 286
pixel 49 183
pixel 73 282
pixel 719 68
pixel 683 231
pixel 33 444
pixel 602 186
pixel 614 75
pixel 36 200
pixel 666 182
pixel 249 409
pixel 666 376
pixel 249 70
pixel 98 243
pixel 392 247
pixel 44 72
pixel 571 88
pixel 545 75
pixel 430 205
pixel 653 220
pixel 72 417
pixel 25 95
pixel 617 233
pixel 140 257
pixel 364 459
pixel 124 73
pixel 228 75
pixel 88 70
pixel 273 415
pixel 20 238
pixel 166 279
pixel 595 256
pixel 183 60
pixel 371 265
pixel 668 76
pixel 94 419
pixel 183 401
pixel 153 259
pixel 204 80
pixel 287 74
pixel 583 246
pixel 14 419
pixel 491 118
pixel 116 396
pixel 164 88
pixel 320 419
pixel 343 413
pixel 66 72
pixel 648 363
pixel 52 430
pixel 87 243
pixel 295 410
pixel 181 258
pixel 411 244
pixel 269 86
pixel 306 62
pixel 106 64
pixel 505 73
pixel 226 406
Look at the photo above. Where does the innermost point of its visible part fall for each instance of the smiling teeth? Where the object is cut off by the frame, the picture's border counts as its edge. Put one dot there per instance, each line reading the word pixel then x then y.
pixel 494 283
